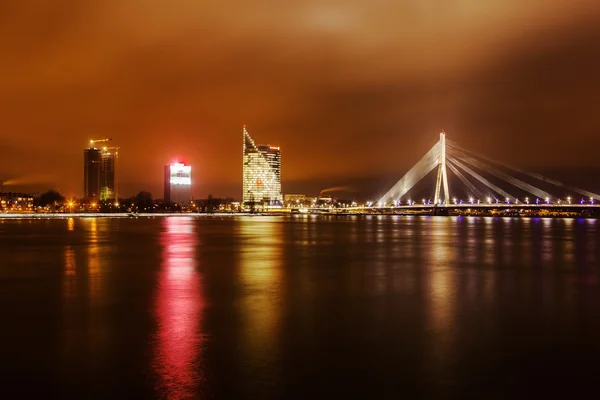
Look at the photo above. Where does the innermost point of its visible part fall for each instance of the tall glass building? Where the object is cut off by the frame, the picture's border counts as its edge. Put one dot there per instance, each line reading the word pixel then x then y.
pixel 261 173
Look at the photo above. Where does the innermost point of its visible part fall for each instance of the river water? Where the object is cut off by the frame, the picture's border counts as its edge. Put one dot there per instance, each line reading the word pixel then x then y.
pixel 299 307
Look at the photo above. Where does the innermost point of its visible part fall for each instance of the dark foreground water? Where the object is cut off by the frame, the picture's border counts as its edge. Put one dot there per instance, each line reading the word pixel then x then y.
pixel 306 307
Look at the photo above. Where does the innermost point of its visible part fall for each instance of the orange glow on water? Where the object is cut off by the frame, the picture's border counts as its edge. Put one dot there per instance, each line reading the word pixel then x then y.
pixel 179 305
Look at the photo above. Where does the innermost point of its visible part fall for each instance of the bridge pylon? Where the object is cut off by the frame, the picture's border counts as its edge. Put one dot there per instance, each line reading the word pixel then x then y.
pixel 442 175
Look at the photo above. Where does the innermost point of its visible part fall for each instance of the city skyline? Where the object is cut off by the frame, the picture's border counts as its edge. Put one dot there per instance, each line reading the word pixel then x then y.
pixel 348 99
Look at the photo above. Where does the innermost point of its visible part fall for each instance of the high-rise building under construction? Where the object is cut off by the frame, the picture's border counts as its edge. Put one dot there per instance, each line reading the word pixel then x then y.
pixel 261 173
pixel 99 168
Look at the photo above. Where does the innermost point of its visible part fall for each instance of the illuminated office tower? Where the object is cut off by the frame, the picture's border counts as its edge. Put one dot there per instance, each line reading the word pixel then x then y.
pixel 261 173
pixel 178 184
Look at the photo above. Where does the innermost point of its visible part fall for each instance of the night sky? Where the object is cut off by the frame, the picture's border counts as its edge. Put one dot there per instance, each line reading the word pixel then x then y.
pixel 352 90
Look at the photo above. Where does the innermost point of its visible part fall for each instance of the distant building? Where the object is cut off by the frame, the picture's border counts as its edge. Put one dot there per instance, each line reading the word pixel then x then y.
pixel 91 173
pixel 261 173
pixel 178 184
pixel 107 175
pixel 16 201
pixel 298 200
pixel 99 168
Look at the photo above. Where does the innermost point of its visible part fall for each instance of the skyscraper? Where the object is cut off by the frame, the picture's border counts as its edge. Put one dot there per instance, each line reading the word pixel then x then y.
pixel 261 173
pixel 107 175
pixel 178 184
pixel 91 173
pixel 99 168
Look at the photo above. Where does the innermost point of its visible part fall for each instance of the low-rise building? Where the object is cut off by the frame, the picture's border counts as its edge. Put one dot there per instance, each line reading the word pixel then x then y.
pixel 11 201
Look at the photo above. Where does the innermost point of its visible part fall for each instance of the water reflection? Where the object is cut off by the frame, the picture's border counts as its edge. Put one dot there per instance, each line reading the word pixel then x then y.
pixel 261 278
pixel 70 273
pixel 179 305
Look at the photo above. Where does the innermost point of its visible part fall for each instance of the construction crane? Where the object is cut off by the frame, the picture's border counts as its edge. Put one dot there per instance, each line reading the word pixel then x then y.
pixel 115 148
pixel 94 141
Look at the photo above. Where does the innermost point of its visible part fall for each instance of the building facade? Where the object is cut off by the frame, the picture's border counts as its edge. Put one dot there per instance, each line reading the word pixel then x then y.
pixel 107 175
pixel 16 202
pixel 91 173
pixel 178 184
pixel 99 168
pixel 261 173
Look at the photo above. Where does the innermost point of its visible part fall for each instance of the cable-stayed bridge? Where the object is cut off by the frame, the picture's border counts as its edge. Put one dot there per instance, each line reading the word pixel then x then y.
pixel 480 182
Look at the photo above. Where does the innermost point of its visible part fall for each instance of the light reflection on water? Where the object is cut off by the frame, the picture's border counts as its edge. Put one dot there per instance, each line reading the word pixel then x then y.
pixel 280 307
pixel 179 305
pixel 260 275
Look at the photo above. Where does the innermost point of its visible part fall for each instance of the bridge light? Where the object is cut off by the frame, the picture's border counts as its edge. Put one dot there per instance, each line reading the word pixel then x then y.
pixel 527 200
pixel 471 200
pixel 547 200
pixel 454 199
pixel 591 200
pixel 569 199
pixel 489 199
pixel 423 201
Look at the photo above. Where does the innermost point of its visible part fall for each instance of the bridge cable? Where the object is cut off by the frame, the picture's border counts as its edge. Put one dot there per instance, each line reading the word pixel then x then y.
pixel 464 180
pixel 425 165
pixel 481 179
pixel 501 175
pixel 534 175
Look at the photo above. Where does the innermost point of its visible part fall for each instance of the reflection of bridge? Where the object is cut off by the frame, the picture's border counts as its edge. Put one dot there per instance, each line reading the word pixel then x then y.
pixel 487 185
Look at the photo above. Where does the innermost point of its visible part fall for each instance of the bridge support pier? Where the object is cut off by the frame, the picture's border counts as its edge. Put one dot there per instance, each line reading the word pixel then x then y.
pixel 442 175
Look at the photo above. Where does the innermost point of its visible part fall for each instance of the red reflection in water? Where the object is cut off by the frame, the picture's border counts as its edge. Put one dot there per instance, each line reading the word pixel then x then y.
pixel 179 306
